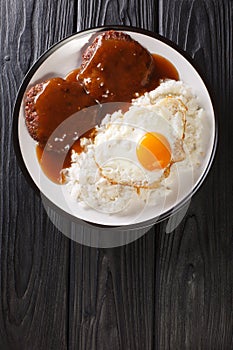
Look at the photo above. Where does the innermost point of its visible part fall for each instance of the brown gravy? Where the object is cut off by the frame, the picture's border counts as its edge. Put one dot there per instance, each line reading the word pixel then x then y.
pixel 63 97
pixel 164 69
pixel 72 76
pixel 53 162
pixel 117 68
pixel 58 101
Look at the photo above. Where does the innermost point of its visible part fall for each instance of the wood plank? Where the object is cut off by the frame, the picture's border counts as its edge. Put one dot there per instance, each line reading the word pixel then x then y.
pixel 112 296
pixel 194 287
pixel 111 290
pixel 139 13
pixel 33 254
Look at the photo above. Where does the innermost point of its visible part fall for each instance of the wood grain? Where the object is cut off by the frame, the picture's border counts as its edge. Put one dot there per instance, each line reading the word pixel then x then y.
pixel 194 291
pixel 137 13
pixel 112 296
pixel 164 291
pixel 33 254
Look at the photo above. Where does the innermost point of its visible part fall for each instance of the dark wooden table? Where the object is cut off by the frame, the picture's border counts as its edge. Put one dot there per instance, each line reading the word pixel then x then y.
pixel 164 291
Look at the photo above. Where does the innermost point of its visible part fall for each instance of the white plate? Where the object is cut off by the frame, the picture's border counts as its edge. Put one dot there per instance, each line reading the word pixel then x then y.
pixel 63 58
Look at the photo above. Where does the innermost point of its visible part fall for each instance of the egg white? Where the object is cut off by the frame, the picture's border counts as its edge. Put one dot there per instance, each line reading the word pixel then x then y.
pixel 116 142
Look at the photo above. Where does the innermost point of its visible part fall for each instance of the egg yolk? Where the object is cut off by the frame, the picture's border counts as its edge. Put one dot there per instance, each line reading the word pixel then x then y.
pixel 153 151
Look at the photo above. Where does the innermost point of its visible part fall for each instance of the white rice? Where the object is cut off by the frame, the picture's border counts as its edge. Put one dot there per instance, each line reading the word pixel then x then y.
pixel 85 182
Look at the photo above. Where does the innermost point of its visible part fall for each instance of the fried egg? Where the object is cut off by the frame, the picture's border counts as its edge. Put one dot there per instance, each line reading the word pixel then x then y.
pixel 137 148
pixel 139 157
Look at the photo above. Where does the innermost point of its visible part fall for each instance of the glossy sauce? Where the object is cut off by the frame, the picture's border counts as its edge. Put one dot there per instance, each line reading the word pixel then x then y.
pixel 120 70
pixel 58 101
pixel 72 76
pixel 53 162
pixel 63 97
pixel 164 69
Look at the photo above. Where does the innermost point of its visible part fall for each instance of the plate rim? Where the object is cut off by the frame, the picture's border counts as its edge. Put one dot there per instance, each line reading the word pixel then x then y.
pixel 37 64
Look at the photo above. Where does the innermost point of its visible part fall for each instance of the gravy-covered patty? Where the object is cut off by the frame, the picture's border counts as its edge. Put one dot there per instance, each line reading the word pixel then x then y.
pixel 49 103
pixel 116 68
pixel 31 116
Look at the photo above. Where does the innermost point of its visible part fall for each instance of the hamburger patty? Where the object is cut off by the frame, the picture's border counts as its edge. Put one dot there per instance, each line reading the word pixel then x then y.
pixel 31 116
pixel 49 104
pixel 116 68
